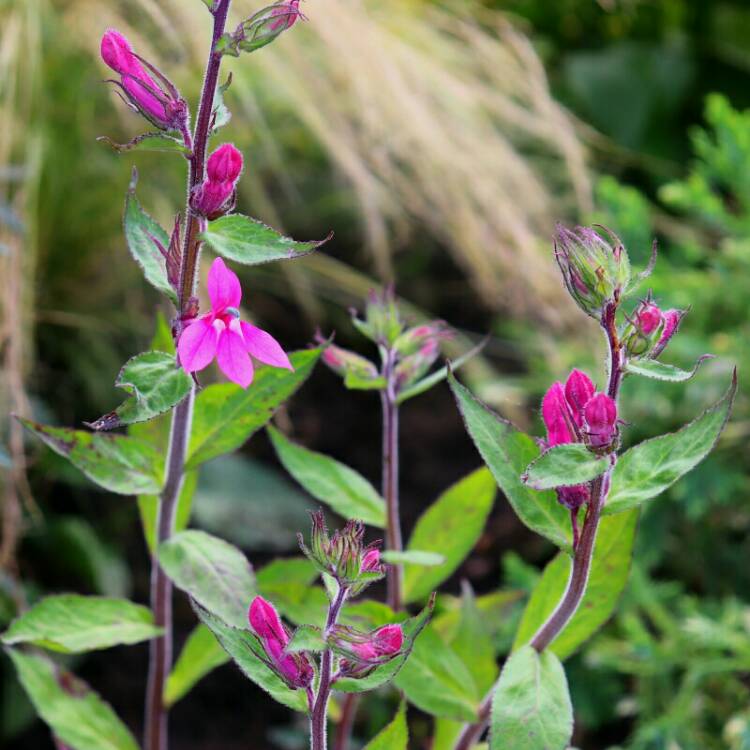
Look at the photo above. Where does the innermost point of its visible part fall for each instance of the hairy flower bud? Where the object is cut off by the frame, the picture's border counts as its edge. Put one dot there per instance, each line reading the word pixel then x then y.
pixel 295 668
pixel 224 164
pixel 557 416
pixel 159 102
pixel 579 388
pixel 362 652
pixel 212 199
pixel 415 366
pixel 356 370
pixel 261 28
pixel 595 271
pixel 600 415
pixel 672 320
pixel 413 339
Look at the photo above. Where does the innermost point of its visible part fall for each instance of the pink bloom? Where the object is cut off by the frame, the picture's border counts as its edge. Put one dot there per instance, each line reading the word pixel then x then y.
pixel 224 164
pixel 601 420
pixel 649 318
pixel 221 334
pixel 265 622
pixel 384 642
pixel 212 197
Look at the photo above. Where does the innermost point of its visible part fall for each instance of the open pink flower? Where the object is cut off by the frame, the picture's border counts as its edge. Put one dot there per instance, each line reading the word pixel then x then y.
pixel 221 334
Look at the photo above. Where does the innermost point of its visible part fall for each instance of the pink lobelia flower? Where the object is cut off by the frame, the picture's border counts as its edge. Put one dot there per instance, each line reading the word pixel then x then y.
pixel 214 196
pixel 382 643
pixel 672 320
pixel 649 318
pixel 294 668
pixel 284 15
pixel 221 334
pixel 579 388
pixel 557 416
pixel 600 414
pixel 224 164
pixel 161 104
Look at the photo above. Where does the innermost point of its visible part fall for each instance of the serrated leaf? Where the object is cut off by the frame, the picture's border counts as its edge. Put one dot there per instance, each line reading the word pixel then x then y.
pixel 395 736
pixel 74 712
pixel 247 653
pixel 650 467
pixel 652 368
pixel 450 527
pixel 306 638
pixel 148 142
pixel 610 567
pixel 220 113
pixel 139 230
pixel 531 708
pixel 115 462
pixel 343 489
pixel 507 452
pixel 226 415
pixel 413 557
pixel 213 572
pixel 248 241
pixel 201 654
pixel 156 384
pixel 412 628
pixel 70 623
pixel 435 680
pixel 563 466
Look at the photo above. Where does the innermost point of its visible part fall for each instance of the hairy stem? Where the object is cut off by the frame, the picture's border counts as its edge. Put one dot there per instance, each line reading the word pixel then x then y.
pixel 160 654
pixel 319 714
pixel 584 549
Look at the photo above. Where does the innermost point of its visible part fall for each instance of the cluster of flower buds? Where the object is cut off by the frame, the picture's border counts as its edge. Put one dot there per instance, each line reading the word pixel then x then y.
pixel 344 555
pixel 144 88
pixel 261 28
pixel 348 364
pixel 294 668
pixel 649 330
pixel 215 196
pixel 596 271
pixel 576 413
pixel 362 652
pixel 417 349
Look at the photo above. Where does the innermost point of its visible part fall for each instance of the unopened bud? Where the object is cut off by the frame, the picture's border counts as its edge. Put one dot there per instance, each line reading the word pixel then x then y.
pixel 672 320
pixel 412 340
pixel 224 164
pixel 362 652
pixel 600 414
pixel 347 363
pixel 644 330
pixel 261 28
pixel 382 323
pixel 412 368
pixel 579 388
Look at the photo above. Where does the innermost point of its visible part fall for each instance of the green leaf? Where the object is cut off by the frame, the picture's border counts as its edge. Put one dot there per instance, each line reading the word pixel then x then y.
pixel 438 376
pixel 212 571
pixel 148 142
pixel 118 463
pixel 563 466
pixel 139 230
pixel 306 638
pixel 288 584
pixel 220 114
pixel 473 644
pixel 652 466
pixel 609 574
pixel 531 708
pixel 386 672
pixel 247 652
pixel 413 557
pixel 652 368
pixel 435 680
pixel 226 415
pixel 344 490
pixel 450 527
pixel 508 451
pixel 395 736
pixel 201 654
pixel 71 623
pixel 245 240
pixel 74 712
pixel 155 383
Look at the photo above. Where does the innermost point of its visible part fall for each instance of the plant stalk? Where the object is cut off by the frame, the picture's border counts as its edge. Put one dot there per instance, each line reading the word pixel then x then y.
pixel 160 651
pixel 319 714
pixel 583 551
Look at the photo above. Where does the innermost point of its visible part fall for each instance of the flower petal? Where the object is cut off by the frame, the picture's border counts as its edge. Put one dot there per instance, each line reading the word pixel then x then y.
pixel 223 287
pixel 197 345
pixel 264 347
pixel 233 358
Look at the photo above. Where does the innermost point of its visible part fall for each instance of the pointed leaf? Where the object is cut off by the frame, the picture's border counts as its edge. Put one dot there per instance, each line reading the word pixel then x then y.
pixel 71 623
pixel 450 527
pixel 156 384
pixel 201 654
pixel 248 654
pixel 75 713
pixel 413 557
pixel 343 489
pixel 213 572
pixel 227 415
pixel 119 464
pixel 507 452
pixel 306 638
pixel 652 466
pixel 139 230
pixel 652 368
pixel 148 142
pixel 564 465
pixel 245 240
pixel 395 736
pixel 531 708
pixel 609 574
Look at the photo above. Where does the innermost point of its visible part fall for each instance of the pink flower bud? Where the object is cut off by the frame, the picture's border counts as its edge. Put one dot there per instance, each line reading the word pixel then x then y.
pixel 649 318
pixel 556 416
pixel 371 560
pixel 600 414
pixel 573 497
pixel 384 642
pixel 212 199
pixel 579 388
pixel 672 320
pixel 224 164
pixel 264 620
pixel 284 15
